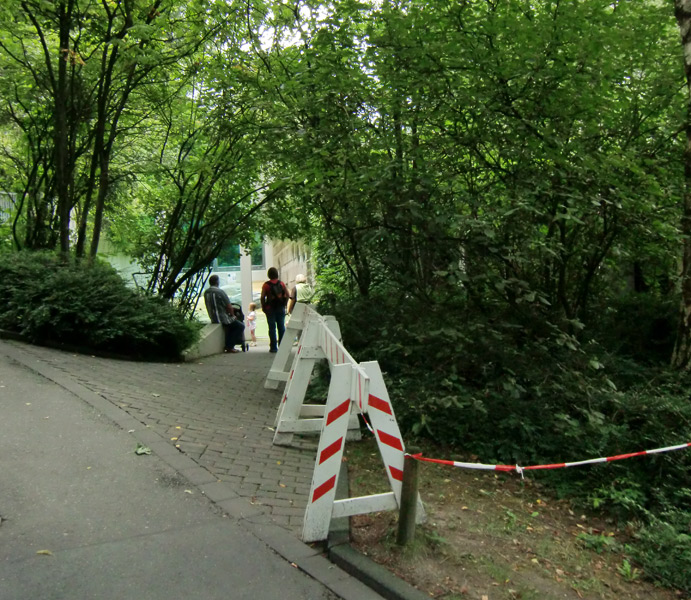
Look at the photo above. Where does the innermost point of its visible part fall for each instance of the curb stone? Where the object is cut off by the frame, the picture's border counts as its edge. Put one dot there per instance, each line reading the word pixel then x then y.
pixel 373 575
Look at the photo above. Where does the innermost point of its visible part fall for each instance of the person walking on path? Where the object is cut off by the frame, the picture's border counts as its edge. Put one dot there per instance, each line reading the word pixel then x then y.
pixel 221 311
pixel 274 298
pixel 302 292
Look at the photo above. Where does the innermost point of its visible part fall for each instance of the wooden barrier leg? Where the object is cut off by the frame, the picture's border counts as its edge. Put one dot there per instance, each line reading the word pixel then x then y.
pixel 307 349
pixel 389 439
pixel 292 401
pixel 329 455
pixel 299 355
pixel 279 367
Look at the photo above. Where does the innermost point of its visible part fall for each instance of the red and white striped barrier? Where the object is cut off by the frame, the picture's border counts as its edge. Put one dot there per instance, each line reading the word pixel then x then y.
pixel 346 392
pixel 319 340
pixel 563 465
pixel 354 389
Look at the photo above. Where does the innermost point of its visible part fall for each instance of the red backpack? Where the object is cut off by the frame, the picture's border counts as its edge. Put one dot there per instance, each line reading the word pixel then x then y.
pixel 277 296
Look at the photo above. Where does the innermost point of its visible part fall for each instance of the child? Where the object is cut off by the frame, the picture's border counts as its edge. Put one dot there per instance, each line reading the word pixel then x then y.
pixel 252 322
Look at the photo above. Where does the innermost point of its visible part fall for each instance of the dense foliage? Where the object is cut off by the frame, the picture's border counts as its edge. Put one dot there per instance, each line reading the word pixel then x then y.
pixel 519 392
pixel 497 202
pixel 87 307
pixel 495 192
pixel 76 77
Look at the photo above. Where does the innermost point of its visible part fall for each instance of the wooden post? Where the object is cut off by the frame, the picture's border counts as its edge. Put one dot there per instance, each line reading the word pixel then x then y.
pixel 409 496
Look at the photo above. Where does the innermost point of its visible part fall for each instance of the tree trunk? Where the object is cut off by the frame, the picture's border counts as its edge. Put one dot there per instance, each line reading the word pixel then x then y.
pixel 62 175
pixel 681 357
pixel 103 185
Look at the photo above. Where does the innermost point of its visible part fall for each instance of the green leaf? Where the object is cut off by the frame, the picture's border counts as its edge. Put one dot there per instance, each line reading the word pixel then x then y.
pixel 141 449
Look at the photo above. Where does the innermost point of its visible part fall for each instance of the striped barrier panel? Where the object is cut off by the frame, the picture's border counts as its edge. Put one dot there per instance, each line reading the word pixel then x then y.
pixel 361 386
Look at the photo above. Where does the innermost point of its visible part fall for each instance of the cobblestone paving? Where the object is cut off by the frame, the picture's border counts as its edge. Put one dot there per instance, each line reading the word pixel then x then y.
pixel 216 411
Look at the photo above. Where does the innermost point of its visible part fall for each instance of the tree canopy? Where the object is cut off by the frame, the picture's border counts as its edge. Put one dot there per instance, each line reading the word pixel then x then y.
pixel 497 192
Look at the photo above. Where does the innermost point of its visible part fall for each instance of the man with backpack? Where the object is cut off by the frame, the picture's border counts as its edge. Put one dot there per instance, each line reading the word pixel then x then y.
pixel 274 299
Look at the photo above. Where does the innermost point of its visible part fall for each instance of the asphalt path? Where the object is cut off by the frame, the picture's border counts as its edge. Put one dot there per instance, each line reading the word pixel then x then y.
pixel 82 516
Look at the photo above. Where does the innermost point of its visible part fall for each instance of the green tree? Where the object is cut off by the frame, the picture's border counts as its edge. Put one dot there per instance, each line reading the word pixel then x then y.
pixel 75 72
pixel 483 143
pixel 206 182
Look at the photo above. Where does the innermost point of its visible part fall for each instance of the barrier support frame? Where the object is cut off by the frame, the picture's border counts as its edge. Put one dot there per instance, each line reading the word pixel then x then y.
pixel 293 416
pixel 345 392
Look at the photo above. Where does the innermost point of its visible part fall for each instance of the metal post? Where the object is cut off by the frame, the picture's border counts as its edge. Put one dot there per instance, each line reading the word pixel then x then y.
pixel 409 495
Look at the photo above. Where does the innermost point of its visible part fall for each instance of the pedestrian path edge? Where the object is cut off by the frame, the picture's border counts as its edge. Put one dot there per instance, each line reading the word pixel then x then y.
pixel 336 565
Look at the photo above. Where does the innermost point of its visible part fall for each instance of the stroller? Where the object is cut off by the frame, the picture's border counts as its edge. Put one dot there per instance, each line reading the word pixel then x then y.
pixel 240 316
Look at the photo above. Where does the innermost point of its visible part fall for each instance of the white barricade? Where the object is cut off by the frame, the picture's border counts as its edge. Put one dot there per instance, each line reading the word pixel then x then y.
pixel 320 339
pixel 279 368
pixel 354 388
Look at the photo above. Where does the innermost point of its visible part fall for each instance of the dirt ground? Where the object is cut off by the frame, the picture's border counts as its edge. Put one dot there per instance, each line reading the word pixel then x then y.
pixel 493 536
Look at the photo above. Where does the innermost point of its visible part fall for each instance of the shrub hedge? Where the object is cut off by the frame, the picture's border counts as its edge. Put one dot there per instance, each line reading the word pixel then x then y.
pixel 51 300
pixel 531 392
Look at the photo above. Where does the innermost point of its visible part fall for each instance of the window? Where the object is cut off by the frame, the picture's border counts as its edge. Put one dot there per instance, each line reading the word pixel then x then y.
pixel 229 257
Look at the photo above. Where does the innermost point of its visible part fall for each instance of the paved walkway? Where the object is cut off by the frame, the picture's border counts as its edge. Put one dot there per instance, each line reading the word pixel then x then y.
pixel 215 410
pixel 211 421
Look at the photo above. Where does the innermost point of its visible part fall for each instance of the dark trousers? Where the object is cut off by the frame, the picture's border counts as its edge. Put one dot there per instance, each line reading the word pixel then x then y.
pixel 276 320
pixel 235 334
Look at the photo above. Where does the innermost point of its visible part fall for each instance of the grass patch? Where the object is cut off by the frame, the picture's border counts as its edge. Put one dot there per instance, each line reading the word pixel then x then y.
pixel 496 535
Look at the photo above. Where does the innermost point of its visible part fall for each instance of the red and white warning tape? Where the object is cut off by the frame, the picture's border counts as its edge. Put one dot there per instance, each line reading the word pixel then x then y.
pixel 520 470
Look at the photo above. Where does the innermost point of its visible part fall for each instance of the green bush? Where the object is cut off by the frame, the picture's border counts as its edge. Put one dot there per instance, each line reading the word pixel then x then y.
pixel 519 389
pixel 49 300
pixel 663 547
